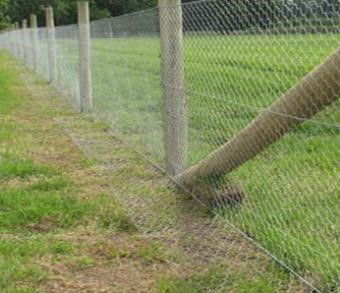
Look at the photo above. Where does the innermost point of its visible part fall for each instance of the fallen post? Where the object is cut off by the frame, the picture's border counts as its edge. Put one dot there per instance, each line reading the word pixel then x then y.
pixel 312 94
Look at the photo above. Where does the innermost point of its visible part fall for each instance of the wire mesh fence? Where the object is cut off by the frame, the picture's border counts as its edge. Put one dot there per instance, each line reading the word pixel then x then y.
pixel 179 81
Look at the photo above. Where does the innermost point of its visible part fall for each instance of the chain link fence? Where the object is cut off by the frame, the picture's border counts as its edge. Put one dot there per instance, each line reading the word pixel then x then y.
pixel 178 82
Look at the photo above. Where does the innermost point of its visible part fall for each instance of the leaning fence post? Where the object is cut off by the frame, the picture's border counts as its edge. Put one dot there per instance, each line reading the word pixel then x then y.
pixel 313 93
pixel 172 71
pixel 85 79
pixel 34 40
pixel 23 40
pixel 52 55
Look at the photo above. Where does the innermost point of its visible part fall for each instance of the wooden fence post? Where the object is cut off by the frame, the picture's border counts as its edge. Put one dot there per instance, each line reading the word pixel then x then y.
pixel 14 32
pixel 6 33
pixel 11 39
pixel 52 55
pixel 23 40
pixel 172 72
pixel 16 40
pixel 34 40
pixel 85 79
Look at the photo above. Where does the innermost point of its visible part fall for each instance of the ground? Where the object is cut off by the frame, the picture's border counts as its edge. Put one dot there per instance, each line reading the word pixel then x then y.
pixel 81 212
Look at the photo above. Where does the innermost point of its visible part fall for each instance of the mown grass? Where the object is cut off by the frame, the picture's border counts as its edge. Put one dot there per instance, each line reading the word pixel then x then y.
pixel 12 166
pixel 8 100
pixel 215 279
pixel 31 213
pixel 38 200
pixel 229 80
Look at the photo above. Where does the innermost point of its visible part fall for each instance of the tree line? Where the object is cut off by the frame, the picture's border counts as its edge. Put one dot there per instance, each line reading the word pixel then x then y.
pixel 221 15
pixel 65 10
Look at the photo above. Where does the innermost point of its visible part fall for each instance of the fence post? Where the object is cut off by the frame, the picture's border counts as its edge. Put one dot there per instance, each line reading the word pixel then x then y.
pixel 85 79
pixel 16 41
pixel 14 32
pixel 7 36
pixel 11 39
pixel 23 40
pixel 172 72
pixel 52 55
pixel 34 40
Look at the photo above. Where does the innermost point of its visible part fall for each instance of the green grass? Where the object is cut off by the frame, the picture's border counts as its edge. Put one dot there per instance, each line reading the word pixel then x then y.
pixel 8 100
pixel 12 166
pixel 292 189
pixel 225 89
pixel 16 266
pixel 50 203
pixel 217 278
pixel 39 200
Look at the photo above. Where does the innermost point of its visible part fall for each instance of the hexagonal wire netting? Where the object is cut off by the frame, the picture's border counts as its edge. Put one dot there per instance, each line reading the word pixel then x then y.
pixel 222 64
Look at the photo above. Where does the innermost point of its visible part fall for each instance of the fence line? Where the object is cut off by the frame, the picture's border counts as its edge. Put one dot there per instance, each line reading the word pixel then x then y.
pixel 180 81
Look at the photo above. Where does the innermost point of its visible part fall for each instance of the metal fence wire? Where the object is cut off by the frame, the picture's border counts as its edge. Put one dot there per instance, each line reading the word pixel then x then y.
pixel 236 100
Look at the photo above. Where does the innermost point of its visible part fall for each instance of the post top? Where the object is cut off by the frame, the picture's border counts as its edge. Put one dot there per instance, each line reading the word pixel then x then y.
pixel 24 23
pixel 83 12
pixel 33 20
pixel 49 17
